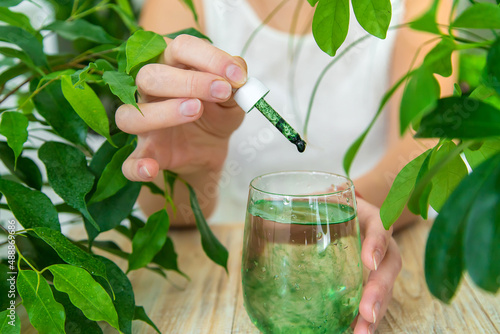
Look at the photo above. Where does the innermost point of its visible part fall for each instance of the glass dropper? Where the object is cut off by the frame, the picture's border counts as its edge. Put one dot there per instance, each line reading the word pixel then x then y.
pixel 251 95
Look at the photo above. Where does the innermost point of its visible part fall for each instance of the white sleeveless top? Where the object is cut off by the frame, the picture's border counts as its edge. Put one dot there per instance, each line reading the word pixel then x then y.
pixel 346 101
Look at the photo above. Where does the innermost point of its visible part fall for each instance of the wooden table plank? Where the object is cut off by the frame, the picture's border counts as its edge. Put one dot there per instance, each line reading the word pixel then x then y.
pixel 212 301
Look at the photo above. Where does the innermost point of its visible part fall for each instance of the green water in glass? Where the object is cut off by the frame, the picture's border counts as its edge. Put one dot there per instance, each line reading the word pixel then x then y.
pixel 301 277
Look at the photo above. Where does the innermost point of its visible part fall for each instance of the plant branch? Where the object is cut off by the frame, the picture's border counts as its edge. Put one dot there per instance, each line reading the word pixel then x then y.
pixel 36 91
pixel 16 89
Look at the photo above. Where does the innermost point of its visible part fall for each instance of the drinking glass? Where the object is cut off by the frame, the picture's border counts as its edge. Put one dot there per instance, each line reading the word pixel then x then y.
pixel 301 266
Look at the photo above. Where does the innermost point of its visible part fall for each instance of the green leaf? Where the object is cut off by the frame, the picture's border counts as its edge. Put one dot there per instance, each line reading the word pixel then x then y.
pixel 81 29
pixel 312 2
pixel 124 300
pixel 190 5
pixel 419 96
pixel 493 66
pixel 68 174
pixel 9 3
pixel 125 6
pixel 111 211
pixel 460 118
pixel 122 86
pixel 353 149
pixel 400 191
pixel 56 110
pixel 140 314
pixel 26 170
pixel 479 16
pixel 19 54
pixel 26 41
pixel 148 240
pixel 14 126
pixel 373 15
pixel 15 324
pixel 85 293
pixel 76 322
pixel 32 208
pixel 112 179
pixel 487 150
pixel 88 106
pixel 127 19
pixel 471 66
pixel 330 24
pixel 482 233
pixel 167 257
pixel 211 245
pixel 447 179
pixel 438 60
pixel 70 253
pixel 154 188
pixel 45 314
pixel 11 73
pixel 170 177
pixel 189 31
pixel 143 46
pixel 17 19
pixel 5 285
pixel 105 153
pixel 427 22
pixel 444 254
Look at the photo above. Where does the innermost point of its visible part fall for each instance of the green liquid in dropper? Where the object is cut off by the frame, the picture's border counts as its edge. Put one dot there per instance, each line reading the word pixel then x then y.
pixel 280 124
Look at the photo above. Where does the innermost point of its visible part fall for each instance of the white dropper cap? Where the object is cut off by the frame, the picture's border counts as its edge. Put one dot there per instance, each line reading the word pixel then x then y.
pixel 250 93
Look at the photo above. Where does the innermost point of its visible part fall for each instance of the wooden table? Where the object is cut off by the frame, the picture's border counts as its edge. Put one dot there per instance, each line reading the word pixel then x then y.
pixel 212 301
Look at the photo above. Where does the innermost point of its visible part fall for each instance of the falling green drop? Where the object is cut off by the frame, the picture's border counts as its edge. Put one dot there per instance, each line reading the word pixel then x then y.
pixel 280 124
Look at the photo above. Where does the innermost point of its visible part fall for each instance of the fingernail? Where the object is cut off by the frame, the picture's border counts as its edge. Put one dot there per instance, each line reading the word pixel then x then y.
pixel 144 173
pixel 377 257
pixel 371 329
pixel 235 74
pixel 190 107
pixel 220 89
pixel 376 309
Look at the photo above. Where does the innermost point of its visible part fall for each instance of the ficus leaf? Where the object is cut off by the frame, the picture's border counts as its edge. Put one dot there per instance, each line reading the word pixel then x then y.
pixel 19 54
pixel 5 327
pixel 124 300
pixel 148 240
pixel 5 285
pixel 87 105
pixel 140 314
pixel 190 5
pixel 26 170
pixel 32 208
pixel 444 254
pixel 419 96
pixel 45 314
pixel 143 46
pixel 68 174
pixel 76 322
pixel 14 126
pixel 85 293
pixel 70 253
pixel 447 179
pixel 330 24
pixel 493 66
pixel 122 86
pixel 167 257
pixel 427 22
pixel 127 19
pixel 112 179
pixel 105 153
pixel 487 149
pixel 373 15
pixel 189 31
pixel 56 110
pixel 400 191
pixel 83 29
pixel 481 15
pixel 438 60
pixel 154 188
pixel 26 41
pixel 211 245
pixel 471 67
pixel 460 118
pixel 9 3
pixel 17 19
pixel 482 232
pixel 111 211
pixel 12 72
pixel 312 2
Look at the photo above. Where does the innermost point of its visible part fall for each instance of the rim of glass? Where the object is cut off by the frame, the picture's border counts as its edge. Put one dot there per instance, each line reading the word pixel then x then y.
pixel 348 180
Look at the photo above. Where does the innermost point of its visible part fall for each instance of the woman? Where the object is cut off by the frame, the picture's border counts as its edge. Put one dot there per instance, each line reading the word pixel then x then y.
pixel 191 125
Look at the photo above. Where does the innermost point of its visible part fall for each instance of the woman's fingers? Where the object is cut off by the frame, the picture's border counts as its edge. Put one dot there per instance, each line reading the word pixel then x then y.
pixel 364 326
pixel 188 51
pixel 157 115
pixel 159 80
pixel 378 289
pixel 376 236
pixel 140 169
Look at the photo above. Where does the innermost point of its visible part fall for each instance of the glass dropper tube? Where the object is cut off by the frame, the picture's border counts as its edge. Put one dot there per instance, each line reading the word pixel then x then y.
pixel 251 95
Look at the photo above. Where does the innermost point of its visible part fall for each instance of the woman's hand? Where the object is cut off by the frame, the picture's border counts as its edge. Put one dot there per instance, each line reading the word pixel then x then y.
pixel 188 110
pixel 380 254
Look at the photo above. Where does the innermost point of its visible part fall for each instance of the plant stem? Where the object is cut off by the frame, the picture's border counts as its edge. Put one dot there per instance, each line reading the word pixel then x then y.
pixel 75 7
pixel 16 89
pixel 20 256
pixel 103 5
pixel 293 26
pixel 36 91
